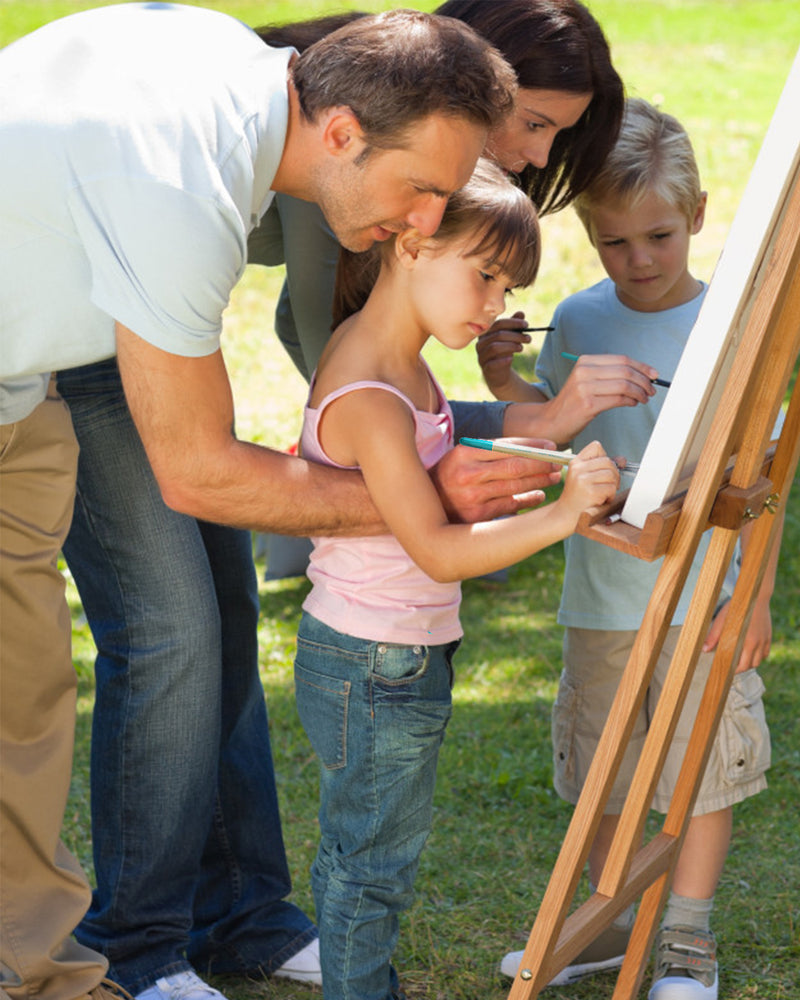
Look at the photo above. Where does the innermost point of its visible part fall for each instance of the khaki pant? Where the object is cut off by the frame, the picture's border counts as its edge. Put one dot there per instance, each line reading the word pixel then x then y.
pixel 43 892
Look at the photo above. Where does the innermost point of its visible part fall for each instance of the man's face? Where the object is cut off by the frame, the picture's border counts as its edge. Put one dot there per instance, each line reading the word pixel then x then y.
pixel 395 189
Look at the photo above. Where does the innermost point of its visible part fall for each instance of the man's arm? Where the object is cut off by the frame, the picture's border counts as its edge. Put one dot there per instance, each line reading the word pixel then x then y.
pixel 183 409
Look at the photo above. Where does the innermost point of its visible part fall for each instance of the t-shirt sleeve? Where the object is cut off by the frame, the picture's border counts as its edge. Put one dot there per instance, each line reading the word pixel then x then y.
pixel 163 261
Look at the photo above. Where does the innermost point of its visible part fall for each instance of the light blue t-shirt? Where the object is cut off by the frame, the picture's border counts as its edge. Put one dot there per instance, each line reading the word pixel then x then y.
pixel 604 588
pixel 139 143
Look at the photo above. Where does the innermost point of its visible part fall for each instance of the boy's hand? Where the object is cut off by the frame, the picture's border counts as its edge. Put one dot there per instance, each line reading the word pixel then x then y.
pixel 757 640
pixel 476 485
pixel 600 382
pixel 592 479
pixel 496 349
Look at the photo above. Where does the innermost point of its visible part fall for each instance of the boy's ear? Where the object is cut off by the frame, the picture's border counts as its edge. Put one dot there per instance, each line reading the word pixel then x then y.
pixel 342 132
pixel 699 214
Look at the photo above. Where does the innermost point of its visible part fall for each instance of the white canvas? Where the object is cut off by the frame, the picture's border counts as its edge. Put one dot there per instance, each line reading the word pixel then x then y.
pixel 682 426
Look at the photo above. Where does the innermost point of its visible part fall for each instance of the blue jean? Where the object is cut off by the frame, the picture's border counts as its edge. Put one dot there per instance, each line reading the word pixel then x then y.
pixel 188 848
pixel 375 714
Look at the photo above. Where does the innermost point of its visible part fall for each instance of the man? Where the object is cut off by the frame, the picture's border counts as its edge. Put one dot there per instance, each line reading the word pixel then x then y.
pixel 141 144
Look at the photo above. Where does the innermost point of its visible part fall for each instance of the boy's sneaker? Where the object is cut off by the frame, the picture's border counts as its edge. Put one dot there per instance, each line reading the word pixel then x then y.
pixel 180 986
pixel 686 965
pixel 304 966
pixel 607 951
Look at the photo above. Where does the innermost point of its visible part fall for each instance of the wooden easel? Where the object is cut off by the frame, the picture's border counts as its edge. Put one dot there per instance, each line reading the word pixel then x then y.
pixel 737 478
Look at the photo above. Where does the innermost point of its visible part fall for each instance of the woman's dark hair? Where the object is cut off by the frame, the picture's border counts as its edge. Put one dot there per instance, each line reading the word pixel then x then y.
pixel 552 45
pixel 497 218
pixel 301 34
pixel 555 45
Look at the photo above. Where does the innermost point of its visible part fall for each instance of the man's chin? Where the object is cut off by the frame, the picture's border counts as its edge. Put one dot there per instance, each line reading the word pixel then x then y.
pixel 363 239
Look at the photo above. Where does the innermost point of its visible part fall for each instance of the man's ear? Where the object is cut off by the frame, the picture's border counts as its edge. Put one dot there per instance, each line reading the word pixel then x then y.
pixel 699 214
pixel 341 132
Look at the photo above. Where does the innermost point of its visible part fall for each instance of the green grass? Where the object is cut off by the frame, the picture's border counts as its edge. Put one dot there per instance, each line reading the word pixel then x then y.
pixel 719 66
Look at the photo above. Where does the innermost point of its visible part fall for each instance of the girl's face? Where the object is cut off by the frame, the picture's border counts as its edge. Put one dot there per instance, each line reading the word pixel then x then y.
pixel 645 251
pixel 527 134
pixel 456 295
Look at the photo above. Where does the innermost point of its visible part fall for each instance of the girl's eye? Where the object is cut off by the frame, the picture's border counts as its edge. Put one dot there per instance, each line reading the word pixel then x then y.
pixel 486 276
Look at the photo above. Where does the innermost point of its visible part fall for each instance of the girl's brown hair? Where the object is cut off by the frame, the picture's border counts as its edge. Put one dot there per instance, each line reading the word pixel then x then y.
pixel 501 220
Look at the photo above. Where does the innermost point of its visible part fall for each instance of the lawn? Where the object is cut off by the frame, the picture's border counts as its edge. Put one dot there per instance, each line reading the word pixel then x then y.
pixel 719 66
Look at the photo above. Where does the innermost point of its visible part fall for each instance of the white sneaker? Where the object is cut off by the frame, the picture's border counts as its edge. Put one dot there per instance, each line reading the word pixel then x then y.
pixel 606 952
pixel 686 965
pixel 303 967
pixel 181 986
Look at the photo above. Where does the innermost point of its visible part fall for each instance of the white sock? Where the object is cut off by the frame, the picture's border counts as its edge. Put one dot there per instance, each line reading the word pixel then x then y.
pixel 684 911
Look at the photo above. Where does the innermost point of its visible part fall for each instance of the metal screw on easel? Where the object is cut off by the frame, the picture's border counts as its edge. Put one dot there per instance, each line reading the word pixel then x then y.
pixel 773 502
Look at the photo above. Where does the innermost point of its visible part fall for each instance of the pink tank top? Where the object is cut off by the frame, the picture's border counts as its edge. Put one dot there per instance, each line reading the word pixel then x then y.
pixel 370 587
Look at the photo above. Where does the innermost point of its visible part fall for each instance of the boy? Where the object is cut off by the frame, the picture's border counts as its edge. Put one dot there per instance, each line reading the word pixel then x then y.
pixel 640 214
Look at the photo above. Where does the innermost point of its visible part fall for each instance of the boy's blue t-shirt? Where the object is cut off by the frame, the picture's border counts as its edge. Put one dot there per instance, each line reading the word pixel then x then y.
pixel 604 588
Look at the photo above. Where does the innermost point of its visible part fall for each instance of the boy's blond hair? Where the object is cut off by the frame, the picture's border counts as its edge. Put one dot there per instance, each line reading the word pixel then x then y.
pixel 653 155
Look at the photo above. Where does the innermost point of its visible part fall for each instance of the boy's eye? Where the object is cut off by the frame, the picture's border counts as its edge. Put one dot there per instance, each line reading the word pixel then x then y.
pixel 661 236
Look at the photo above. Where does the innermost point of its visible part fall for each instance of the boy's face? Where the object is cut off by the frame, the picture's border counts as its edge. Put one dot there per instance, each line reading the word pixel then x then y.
pixel 645 251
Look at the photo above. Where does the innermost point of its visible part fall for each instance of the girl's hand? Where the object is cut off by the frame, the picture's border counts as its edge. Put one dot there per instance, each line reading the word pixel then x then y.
pixel 496 349
pixel 592 480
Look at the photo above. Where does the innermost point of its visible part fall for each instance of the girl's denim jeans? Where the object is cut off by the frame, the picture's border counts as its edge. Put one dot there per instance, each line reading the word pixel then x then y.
pixel 375 714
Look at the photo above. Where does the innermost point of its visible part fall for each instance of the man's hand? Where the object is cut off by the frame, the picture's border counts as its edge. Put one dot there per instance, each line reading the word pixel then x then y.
pixel 476 485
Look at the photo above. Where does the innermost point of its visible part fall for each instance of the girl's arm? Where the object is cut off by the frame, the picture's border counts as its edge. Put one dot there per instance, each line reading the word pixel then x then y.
pixel 375 430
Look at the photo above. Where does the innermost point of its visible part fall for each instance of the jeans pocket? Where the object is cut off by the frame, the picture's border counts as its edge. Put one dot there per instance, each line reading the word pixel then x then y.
pixel 395 666
pixel 322 704
pixel 744 737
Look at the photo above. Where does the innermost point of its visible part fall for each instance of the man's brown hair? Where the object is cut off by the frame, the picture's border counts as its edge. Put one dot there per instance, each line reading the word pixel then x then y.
pixel 394 69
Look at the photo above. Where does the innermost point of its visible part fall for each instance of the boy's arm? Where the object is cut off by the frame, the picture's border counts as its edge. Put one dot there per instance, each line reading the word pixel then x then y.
pixel 595 383
pixel 758 639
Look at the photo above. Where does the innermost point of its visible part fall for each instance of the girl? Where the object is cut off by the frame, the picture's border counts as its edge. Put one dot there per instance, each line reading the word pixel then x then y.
pixel 374 655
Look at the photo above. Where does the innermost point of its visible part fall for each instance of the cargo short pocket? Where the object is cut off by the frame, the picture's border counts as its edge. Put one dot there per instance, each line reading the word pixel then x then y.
pixel 744 737
pixel 563 729
pixel 322 704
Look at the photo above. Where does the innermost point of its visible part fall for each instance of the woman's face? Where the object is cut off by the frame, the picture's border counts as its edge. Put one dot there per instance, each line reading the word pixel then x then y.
pixel 528 133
